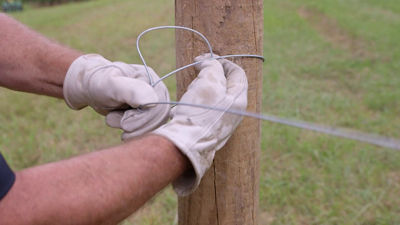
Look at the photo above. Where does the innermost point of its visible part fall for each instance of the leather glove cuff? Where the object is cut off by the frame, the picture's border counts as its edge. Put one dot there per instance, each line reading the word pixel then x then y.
pixel 189 181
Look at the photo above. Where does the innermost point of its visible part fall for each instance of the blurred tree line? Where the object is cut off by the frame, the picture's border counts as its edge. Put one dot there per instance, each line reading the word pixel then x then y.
pixel 11 5
pixel 51 2
pixel 16 5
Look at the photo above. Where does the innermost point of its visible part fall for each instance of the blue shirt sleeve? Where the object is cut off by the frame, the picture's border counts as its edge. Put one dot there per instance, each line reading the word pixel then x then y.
pixel 7 177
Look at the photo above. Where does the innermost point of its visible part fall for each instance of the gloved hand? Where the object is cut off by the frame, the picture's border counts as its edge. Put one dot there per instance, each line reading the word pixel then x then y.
pixel 199 133
pixel 136 122
pixel 108 86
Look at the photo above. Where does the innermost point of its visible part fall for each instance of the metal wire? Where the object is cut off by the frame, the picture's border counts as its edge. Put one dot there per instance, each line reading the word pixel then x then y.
pixel 166 27
pixel 152 83
pixel 195 63
pixel 335 131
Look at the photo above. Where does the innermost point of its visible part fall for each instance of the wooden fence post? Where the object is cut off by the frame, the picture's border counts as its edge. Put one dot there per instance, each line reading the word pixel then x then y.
pixel 228 193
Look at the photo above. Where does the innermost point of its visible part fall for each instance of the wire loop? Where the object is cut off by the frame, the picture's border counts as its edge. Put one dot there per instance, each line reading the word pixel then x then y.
pixel 152 83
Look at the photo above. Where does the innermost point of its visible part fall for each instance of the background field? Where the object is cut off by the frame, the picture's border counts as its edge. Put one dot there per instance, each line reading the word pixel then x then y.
pixel 330 62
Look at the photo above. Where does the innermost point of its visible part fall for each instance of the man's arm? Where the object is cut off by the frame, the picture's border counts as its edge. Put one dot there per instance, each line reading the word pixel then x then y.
pixel 29 62
pixel 103 187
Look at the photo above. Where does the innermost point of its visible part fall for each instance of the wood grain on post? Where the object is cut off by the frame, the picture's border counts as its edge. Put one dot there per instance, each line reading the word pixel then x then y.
pixel 228 193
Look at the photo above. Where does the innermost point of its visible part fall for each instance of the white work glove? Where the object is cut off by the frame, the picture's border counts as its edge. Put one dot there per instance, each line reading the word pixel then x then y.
pixel 199 133
pixel 108 86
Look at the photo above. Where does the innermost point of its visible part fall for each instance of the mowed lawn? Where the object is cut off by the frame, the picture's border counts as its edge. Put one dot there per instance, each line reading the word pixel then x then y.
pixel 329 62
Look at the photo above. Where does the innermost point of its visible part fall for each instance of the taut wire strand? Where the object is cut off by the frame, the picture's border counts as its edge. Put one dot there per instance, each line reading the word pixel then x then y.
pixel 335 131
pixel 374 139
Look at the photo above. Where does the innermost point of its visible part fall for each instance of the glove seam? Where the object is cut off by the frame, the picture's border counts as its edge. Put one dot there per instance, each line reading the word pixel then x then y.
pixel 70 76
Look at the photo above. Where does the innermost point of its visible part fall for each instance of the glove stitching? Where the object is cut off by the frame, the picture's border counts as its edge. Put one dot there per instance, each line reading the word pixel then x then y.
pixel 90 84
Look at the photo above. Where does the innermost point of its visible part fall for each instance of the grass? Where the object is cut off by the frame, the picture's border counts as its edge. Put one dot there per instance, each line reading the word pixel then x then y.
pixel 330 62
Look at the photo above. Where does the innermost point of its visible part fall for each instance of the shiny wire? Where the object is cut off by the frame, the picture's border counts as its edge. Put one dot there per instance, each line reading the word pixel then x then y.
pixel 152 83
pixel 167 27
pixel 335 131
pixel 195 63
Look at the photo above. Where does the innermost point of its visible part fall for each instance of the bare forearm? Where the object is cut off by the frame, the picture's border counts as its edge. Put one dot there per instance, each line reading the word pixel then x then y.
pixel 29 62
pixel 99 188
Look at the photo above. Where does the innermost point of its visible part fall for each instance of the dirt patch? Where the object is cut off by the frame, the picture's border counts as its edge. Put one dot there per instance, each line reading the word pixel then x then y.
pixel 266 218
pixel 330 31
pixel 394 178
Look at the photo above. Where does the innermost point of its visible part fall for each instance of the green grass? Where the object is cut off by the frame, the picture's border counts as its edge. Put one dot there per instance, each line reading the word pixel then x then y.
pixel 306 178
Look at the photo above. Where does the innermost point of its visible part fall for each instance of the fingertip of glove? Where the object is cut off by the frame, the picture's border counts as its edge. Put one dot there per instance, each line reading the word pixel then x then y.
pixel 202 57
pixel 204 62
pixel 113 119
pixel 227 63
